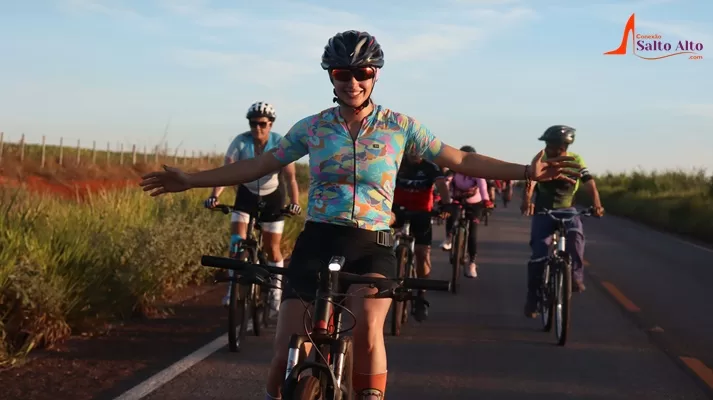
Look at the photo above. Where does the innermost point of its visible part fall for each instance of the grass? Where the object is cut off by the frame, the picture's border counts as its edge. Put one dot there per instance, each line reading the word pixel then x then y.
pixel 675 201
pixel 68 267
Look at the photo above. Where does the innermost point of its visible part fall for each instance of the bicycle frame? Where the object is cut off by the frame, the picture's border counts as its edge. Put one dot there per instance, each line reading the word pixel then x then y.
pixel 327 322
pixel 326 316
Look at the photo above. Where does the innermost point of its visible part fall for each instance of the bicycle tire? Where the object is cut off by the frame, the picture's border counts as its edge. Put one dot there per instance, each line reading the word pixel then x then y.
pixel 397 307
pixel 409 307
pixel 564 295
pixel 308 388
pixel 457 260
pixel 256 297
pixel 546 306
pixel 346 384
pixel 233 337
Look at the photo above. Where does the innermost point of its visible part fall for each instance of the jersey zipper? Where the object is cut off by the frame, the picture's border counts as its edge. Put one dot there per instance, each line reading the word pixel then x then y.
pixel 355 171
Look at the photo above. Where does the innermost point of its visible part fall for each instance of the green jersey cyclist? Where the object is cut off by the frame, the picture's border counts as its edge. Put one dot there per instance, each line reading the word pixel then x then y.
pixel 355 150
pixel 556 195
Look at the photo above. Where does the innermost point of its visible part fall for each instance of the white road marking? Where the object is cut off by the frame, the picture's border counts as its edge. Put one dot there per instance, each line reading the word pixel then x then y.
pixel 156 381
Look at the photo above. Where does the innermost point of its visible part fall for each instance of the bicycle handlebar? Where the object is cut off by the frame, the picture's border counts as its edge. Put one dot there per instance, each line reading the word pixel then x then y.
pixel 226 209
pixel 408 213
pixel 587 212
pixel 260 274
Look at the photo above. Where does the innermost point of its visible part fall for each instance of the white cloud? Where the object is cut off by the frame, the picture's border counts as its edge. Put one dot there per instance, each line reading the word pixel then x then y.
pixel 680 30
pixel 243 67
pixel 697 110
pixel 112 9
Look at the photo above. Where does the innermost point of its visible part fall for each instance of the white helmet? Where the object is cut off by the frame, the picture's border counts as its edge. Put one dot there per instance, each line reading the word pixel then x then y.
pixel 261 109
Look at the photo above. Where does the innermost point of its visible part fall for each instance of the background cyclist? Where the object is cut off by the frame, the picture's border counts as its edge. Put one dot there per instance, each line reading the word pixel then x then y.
pixel 557 195
pixel 414 191
pixel 478 199
pixel 247 145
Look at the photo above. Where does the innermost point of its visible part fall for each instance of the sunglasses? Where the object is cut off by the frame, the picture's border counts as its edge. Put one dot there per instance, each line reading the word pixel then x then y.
pixel 261 124
pixel 345 75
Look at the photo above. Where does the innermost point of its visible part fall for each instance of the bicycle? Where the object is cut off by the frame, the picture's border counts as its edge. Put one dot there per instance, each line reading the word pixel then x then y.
pixel 330 377
pixel 404 245
pixel 460 231
pixel 555 292
pixel 252 301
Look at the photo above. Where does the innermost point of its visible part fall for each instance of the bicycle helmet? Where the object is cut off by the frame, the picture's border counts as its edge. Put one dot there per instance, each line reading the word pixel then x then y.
pixel 261 109
pixel 559 134
pixel 468 149
pixel 352 49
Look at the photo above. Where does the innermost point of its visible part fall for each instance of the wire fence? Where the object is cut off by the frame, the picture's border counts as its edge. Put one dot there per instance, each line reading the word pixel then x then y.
pixel 65 154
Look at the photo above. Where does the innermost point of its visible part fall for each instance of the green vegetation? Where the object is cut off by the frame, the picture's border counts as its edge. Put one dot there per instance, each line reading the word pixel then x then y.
pixel 675 201
pixel 67 267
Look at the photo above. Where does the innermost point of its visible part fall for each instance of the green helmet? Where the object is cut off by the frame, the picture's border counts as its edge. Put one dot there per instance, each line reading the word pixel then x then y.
pixel 559 134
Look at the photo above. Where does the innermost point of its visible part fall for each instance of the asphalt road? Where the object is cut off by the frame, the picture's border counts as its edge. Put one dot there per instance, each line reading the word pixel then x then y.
pixel 648 304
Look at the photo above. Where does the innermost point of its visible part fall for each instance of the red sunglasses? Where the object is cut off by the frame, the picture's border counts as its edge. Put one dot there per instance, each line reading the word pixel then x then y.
pixel 345 75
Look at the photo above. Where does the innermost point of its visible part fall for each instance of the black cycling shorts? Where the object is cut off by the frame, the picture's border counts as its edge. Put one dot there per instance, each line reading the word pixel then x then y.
pixel 319 242
pixel 420 226
pixel 246 201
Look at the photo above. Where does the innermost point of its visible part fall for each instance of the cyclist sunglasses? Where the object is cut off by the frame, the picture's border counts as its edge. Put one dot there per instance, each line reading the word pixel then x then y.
pixel 360 74
pixel 261 124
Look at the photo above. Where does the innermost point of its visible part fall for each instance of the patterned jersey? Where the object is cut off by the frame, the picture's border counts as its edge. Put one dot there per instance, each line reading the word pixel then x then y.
pixel 352 181
pixel 559 193
pixel 242 148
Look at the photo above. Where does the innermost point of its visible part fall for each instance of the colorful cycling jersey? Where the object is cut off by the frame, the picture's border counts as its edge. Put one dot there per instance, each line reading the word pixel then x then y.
pixel 558 193
pixel 242 148
pixel 414 185
pixel 353 180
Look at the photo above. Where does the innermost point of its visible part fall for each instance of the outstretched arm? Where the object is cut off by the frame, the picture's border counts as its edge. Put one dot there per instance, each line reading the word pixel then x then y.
pixel 236 173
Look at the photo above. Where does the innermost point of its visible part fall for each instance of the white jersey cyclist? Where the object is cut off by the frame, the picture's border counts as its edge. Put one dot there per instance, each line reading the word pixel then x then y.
pixel 268 186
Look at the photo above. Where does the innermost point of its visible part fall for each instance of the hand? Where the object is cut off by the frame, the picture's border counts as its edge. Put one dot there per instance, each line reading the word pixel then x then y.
pixel 488 204
pixel 211 202
pixel 170 180
pixel 445 211
pixel 598 211
pixel 541 170
pixel 294 209
pixel 393 219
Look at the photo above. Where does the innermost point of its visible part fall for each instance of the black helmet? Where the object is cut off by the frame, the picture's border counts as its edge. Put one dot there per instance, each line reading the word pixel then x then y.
pixel 352 49
pixel 560 134
pixel 468 149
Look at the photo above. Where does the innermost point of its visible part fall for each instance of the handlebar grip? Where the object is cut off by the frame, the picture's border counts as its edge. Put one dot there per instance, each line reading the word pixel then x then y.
pixel 223 262
pixel 427 284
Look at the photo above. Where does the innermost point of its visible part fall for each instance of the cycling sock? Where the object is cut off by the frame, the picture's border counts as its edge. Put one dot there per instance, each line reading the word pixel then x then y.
pixel 276 292
pixel 369 386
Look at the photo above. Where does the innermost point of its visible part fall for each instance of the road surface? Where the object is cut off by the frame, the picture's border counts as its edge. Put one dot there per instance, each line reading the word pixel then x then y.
pixel 642 330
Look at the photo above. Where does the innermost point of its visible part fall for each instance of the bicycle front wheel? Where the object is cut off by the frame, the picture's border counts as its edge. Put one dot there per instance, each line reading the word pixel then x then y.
pixel 457 260
pixel 237 316
pixel 397 307
pixel 308 388
pixel 563 304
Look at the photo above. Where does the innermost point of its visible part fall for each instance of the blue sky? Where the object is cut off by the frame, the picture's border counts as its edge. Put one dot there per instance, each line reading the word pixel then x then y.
pixel 490 73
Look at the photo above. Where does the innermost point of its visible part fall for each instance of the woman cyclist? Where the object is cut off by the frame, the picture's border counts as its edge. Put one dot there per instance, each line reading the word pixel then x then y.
pixel 355 150
pixel 474 192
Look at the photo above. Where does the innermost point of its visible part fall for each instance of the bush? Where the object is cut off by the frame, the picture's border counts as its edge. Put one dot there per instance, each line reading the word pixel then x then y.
pixel 676 201
pixel 68 266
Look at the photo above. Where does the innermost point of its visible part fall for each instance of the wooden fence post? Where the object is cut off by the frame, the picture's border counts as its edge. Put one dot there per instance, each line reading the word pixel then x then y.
pixel 79 152
pixel 22 148
pixel 94 152
pixel 61 150
pixel 42 160
pixel 133 154
pixel 121 154
pixel 108 153
pixel 2 139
